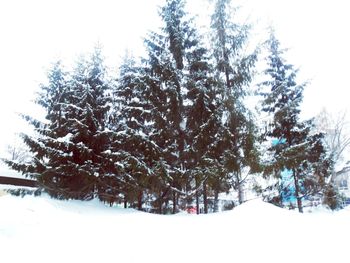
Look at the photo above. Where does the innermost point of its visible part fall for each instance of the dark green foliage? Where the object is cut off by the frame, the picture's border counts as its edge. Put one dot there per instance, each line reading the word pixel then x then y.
pixel 297 150
pixel 332 198
pixel 237 138
pixel 229 206
pixel 173 128
pixel 68 148
pixel 135 124
pixel 179 74
pixel 172 14
pixel 23 192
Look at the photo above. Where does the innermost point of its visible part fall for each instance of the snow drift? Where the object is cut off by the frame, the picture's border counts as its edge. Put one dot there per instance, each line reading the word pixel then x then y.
pixel 39 229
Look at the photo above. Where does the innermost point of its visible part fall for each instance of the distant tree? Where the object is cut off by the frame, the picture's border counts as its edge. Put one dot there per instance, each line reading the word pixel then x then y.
pixel 333 198
pixel 18 152
pixel 297 149
pixel 337 138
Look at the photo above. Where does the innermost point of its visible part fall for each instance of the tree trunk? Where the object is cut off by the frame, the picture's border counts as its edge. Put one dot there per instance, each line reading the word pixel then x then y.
pixel 139 201
pixel 205 197
pixel 197 197
pixel 125 204
pixel 197 203
pixel 174 202
pixel 297 192
pixel 216 201
pixel 59 119
pixel 239 189
pixel 160 204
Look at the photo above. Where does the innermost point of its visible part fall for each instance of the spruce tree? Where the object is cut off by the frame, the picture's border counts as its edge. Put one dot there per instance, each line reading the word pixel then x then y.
pixel 176 26
pixel 68 148
pixel 162 92
pixel 201 120
pixel 189 85
pixel 48 143
pixel 297 149
pixel 166 66
pixel 236 144
pixel 86 121
pixel 133 124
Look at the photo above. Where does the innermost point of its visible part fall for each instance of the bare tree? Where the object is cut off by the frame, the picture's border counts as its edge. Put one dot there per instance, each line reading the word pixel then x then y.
pixel 337 135
pixel 18 151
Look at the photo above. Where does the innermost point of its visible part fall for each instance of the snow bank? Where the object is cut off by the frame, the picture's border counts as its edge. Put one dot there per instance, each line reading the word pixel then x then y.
pixel 45 230
pixel 6 171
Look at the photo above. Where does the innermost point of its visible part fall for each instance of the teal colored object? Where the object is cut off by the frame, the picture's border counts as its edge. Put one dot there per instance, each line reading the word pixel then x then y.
pixel 278 141
pixel 287 183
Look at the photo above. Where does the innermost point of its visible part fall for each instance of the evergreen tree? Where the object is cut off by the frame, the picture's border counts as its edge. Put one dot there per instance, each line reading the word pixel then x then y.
pixel 297 149
pixel 236 143
pixel 48 141
pixel 191 105
pixel 166 69
pixel 175 30
pixel 89 108
pixel 202 121
pixel 133 123
pixel 162 87
pixel 68 150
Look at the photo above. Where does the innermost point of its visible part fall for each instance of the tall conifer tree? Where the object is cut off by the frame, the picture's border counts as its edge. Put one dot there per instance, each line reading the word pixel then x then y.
pixel 234 71
pixel 134 125
pixel 69 145
pixel 297 149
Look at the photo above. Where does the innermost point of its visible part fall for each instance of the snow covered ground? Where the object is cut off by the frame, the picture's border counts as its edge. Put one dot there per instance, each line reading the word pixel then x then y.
pixel 39 229
pixel 6 171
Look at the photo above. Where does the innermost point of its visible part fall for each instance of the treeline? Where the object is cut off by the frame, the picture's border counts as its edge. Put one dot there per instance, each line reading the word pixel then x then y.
pixel 173 128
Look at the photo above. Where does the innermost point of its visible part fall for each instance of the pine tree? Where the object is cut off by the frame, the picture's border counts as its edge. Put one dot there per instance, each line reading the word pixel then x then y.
pixel 297 149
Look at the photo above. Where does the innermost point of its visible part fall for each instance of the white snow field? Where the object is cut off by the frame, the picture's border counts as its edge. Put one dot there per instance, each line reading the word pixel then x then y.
pixel 40 229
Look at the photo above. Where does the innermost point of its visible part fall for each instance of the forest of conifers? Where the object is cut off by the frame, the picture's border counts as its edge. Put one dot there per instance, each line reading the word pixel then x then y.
pixel 173 128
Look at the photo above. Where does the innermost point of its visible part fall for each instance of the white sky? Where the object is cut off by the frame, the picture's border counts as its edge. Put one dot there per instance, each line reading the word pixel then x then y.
pixel 35 33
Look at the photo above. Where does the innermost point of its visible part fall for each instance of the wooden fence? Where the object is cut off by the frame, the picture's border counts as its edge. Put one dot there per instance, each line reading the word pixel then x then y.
pixel 18 181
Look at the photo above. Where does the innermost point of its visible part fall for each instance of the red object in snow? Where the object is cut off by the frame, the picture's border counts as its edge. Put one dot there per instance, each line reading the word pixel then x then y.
pixel 191 210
